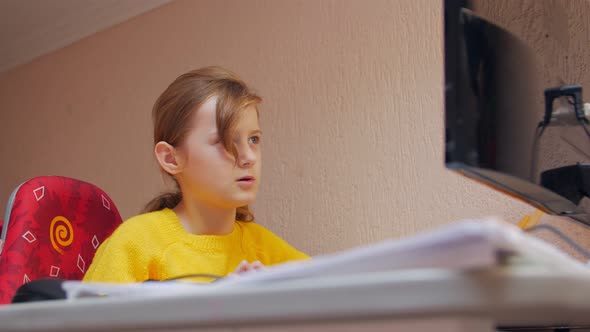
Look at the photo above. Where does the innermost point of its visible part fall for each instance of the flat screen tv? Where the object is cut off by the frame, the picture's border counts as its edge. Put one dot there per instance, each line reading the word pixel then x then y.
pixel 494 113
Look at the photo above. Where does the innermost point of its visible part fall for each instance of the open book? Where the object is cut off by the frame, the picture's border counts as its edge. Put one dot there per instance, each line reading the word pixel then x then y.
pixel 466 245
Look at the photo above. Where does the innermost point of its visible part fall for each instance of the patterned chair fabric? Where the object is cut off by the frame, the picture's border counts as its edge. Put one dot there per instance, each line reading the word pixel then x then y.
pixel 52 228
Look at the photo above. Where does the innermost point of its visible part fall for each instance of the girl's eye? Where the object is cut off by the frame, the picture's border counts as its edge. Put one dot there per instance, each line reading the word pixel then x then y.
pixel 254 140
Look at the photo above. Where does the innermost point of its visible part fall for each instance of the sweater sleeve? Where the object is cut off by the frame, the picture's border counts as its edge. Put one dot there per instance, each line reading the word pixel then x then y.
pixel 119 259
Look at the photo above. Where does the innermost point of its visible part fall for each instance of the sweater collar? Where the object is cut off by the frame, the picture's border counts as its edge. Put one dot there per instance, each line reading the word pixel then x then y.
pixel 206 242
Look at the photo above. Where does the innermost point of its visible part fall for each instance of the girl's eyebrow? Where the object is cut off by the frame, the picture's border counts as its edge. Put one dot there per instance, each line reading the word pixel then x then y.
pixel 257 131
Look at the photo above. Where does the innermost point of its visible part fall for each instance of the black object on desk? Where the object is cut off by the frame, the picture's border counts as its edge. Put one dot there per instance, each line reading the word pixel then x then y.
pixel 40 290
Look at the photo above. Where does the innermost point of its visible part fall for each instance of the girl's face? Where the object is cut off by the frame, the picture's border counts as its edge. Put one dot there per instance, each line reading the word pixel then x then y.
pixel 210 173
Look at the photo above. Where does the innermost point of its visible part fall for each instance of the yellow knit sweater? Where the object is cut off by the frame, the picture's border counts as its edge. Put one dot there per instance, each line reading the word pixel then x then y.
pixel 156 246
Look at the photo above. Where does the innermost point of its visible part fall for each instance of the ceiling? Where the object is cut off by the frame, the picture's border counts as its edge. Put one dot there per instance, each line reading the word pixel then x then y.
pixel 31 28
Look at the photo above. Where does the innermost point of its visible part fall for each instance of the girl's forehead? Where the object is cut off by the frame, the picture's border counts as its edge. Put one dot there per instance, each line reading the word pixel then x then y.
pixel 249 118
pixel 207 111
pixel 206 117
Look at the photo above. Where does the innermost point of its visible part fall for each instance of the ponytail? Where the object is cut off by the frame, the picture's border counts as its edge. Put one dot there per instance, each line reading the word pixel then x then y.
pixel 244 214
pixel 166 200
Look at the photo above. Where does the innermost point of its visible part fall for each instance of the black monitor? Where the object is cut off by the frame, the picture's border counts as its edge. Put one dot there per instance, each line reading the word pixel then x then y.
pixel 494 113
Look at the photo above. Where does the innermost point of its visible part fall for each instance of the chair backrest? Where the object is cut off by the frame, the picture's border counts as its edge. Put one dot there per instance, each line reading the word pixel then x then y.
pixel 52 228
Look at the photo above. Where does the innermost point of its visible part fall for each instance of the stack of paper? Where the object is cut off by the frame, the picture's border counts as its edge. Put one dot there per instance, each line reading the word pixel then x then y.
pixel 467 245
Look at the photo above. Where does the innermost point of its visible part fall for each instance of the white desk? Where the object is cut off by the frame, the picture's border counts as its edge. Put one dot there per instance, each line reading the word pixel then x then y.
pixel 426 300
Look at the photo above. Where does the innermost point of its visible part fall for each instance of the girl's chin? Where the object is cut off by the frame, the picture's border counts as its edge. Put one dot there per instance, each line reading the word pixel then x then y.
pixel 243 201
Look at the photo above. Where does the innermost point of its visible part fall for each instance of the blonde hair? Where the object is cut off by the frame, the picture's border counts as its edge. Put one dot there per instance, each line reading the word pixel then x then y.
pixel 183 97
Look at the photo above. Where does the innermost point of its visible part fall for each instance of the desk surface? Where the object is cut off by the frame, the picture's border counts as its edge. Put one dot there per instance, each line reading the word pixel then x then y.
pixel 523 296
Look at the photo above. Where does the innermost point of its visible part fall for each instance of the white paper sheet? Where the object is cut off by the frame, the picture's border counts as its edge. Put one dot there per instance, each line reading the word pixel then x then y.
pixel 467 245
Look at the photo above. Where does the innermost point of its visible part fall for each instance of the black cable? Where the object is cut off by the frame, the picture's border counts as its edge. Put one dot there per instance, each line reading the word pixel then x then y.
pixel 564 237
pixel 571 100
pixel 537 135
pixel 535 153
pixel 215 277
pixel 583 123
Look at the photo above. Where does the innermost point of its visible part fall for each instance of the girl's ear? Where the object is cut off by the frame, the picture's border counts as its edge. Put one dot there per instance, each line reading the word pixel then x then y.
pixel 168 158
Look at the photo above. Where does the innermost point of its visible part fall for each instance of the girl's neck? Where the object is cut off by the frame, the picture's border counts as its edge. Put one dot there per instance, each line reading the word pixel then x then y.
pixel 199 219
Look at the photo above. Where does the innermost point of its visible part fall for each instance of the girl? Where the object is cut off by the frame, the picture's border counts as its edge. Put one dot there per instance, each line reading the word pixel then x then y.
pixel 207 139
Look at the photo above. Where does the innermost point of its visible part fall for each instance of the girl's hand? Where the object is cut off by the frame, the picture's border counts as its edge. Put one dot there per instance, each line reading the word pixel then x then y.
pixel 244 266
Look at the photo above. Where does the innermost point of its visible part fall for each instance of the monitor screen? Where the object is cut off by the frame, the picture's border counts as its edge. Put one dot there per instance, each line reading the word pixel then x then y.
pixel 494 102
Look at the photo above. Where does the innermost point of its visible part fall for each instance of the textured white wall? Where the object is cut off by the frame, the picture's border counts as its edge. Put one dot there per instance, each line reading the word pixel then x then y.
pixel 353 113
